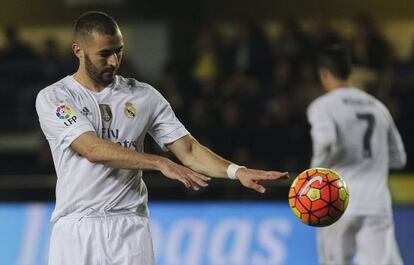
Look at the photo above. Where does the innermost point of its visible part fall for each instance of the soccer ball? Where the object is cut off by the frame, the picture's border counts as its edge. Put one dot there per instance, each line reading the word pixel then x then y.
pixel 318 197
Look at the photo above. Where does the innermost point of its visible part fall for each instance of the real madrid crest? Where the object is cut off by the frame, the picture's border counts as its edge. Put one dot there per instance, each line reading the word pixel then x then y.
pixel 130 110
pixel 105 112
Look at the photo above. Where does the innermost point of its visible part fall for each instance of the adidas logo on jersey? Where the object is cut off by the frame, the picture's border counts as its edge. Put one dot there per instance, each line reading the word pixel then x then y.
pixel 85 111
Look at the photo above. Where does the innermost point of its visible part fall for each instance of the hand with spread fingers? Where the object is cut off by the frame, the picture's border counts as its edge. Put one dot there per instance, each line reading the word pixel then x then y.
pixel 251 178
pixel 201 159
pixel 190 178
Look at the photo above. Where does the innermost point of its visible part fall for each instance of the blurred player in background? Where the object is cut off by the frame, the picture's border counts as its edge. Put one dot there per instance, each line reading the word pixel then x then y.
pixel 95 122
pixel 354 134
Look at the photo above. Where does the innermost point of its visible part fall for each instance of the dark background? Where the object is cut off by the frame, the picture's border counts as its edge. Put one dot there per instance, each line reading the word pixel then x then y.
pixel 239 75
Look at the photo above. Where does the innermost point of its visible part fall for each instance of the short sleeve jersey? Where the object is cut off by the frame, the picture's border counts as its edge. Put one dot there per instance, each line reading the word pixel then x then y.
pixel 123 113
pixel 354 134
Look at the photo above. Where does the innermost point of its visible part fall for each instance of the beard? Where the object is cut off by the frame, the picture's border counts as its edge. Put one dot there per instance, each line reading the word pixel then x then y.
pixel 103 77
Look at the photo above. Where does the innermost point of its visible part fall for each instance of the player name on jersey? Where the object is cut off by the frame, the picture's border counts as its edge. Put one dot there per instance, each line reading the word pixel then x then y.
pixel 357 102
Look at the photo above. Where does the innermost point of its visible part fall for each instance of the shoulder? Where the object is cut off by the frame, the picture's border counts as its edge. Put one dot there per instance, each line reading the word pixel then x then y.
pixel 136 87
pixel 320 102
pixel 55 92
pixel 380 107
pixel 374 101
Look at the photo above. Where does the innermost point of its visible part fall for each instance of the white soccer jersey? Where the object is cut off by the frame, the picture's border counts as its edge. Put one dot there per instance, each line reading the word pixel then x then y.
pixel 122 113
pixel 354 134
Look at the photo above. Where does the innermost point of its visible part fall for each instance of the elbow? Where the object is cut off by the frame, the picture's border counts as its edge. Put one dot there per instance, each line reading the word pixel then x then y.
pixel 403 162
pixel 92 158
pixel 92 155
pixel 90 147
pixel 398 164
pixel 398 161
pixel 190 159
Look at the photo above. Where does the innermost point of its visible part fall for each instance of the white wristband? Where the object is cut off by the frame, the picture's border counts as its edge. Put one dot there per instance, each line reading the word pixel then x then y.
pixel 231 170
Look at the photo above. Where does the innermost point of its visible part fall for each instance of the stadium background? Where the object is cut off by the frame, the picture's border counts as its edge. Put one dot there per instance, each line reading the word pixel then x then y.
pixel 239 75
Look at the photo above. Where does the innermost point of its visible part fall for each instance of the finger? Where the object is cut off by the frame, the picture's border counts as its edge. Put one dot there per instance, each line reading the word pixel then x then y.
pixel 186 183
pixel 189 183
pixel 197 180
pixel 203 177
pixel 271 175
pixel 193 185
pixel 257 187
pixel 284 175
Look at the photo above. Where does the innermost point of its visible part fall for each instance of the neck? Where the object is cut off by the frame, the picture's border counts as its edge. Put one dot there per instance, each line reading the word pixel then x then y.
pixel 337 84
pixel 87 82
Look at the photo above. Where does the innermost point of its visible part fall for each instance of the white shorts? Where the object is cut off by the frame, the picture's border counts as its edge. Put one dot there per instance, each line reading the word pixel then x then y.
pixel 370 240
pixel 101 239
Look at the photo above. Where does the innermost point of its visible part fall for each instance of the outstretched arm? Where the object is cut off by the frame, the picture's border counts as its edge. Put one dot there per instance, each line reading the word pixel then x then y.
pixel 98 150
pixel 201 159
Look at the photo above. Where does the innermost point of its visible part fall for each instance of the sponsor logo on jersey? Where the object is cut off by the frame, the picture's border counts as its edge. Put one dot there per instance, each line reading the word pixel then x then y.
pixel 64 112
pixel 109 133
pixel 128 144
pixel 129 110
pixel 105 112
pixel 113 135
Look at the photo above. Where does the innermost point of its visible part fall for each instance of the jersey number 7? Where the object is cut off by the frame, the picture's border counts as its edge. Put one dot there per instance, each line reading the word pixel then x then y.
pixel 366 141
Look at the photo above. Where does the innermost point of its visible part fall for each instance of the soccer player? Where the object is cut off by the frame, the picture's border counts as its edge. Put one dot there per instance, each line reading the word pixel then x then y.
pixel 95 122
pixel 354 134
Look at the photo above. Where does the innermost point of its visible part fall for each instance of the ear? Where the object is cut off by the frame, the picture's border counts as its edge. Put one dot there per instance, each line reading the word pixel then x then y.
pixel 77 50
pixel 324 73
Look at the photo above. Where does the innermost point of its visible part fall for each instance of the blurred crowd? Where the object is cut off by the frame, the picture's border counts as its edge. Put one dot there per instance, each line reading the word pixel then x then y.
pixel 246 95
pixel 242 94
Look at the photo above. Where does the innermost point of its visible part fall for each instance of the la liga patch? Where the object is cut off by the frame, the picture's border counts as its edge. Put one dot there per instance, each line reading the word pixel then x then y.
pixel 64 111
